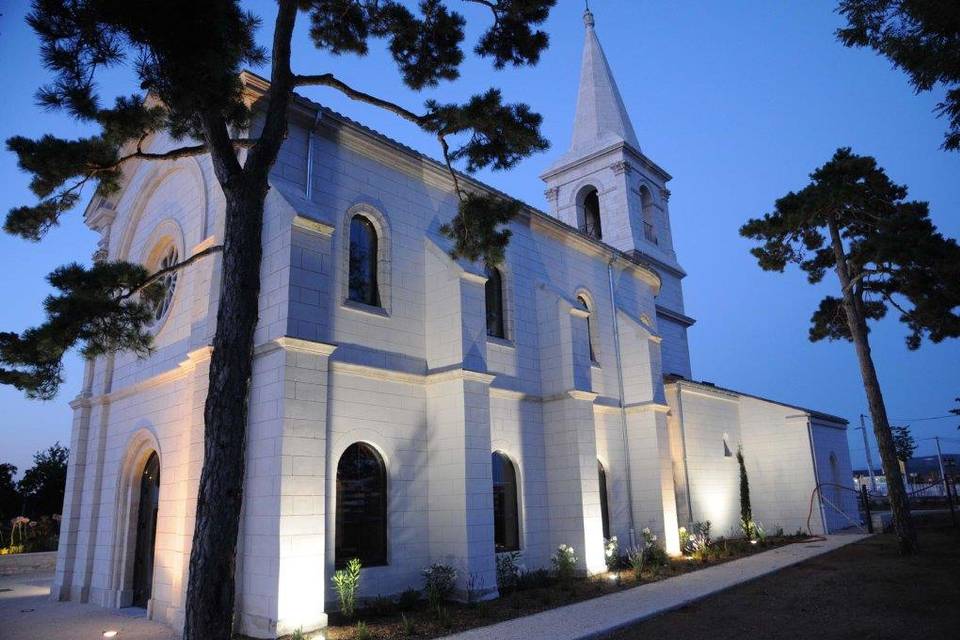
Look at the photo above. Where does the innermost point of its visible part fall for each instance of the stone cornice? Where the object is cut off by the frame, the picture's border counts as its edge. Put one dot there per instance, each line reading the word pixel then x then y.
pixel 297 345
pixel 181 370
pixel 313 226
pixel 676 317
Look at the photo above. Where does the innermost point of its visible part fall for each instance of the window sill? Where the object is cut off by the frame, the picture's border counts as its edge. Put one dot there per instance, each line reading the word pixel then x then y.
pixel 501 342
pixel 367 309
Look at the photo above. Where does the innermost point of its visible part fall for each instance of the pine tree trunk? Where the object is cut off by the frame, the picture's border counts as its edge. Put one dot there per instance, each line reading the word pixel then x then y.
pixel 902 522
pixel 211 585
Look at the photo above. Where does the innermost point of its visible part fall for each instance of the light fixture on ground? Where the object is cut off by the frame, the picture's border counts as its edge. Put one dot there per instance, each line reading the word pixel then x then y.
pixel 110 633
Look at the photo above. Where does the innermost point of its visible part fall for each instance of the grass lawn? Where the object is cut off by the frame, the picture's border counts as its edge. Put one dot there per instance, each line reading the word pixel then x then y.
pixel 863 591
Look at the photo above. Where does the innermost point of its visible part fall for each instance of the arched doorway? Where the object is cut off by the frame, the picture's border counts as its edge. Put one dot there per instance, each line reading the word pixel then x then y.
pixel 146 531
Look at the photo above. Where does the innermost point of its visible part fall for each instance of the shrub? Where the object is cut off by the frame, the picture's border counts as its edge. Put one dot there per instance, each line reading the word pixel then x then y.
pixel 508 570
pixel 656 556
pixel 362 632
pixel 381 606
pixel 636 557
pixel 408 600
pixel 407 626
pixel 611 553
pixel 346 582
pixel 685 547
pixel 438 582
pixel 297 635
pixel 535 579
pixel 564 562
pixel 700 539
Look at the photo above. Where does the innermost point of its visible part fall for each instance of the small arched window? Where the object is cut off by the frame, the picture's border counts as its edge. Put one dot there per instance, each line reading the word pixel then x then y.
pixel 586 307
pixel 604 508
pixel 168 282
pixel 506 522
pixel 727 453
pixel 363 262
pixel 493 291
pixel 591 215
pixel 361 521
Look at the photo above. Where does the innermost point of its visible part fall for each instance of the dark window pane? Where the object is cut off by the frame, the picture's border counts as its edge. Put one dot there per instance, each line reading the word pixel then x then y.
pixel 363 262
pixel 604 509
pixel 585 307
pixel 361 527
pixel 506 523
pixel 494 301
pixel 591 215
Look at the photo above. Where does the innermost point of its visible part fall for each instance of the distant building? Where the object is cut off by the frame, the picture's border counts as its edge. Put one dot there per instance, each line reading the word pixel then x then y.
pixel 922 471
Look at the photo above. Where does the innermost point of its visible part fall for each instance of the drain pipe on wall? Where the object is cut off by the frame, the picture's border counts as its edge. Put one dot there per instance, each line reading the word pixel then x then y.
pixel 623 409
pixel 308 188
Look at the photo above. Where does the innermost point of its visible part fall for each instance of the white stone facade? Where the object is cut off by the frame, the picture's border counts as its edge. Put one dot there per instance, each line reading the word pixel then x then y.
pixel 420 381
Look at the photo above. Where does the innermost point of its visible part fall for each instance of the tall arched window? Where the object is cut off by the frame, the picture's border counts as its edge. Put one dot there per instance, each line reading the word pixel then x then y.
pixel 361 526
pixel 604 508
pixel 591 215
pixel 166 258
pixel 506 522
pixel 363 262
pixel 586 307
pixel 494 301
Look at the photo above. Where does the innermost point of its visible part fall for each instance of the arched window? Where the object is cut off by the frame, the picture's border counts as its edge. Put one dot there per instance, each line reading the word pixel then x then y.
pixel 494 301
pixel 506 522
pixel 586 307
pixel 361 526
pixel 727 453
pixel 604 508
pixel 591 215
pixel 168 258
pixel 363 262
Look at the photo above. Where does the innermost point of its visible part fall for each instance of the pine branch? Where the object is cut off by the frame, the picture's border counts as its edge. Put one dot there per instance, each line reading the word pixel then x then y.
pixel 158 275
pixel 173 154
pixel 328 80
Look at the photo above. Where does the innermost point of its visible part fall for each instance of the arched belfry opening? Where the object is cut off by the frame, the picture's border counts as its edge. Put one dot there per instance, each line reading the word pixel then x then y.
pixel 147 508
pixel 591 215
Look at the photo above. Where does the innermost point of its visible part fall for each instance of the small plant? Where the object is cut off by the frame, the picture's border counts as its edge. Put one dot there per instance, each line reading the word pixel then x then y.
pixel 407 625
pixel 474 587
pixel 361 632
pixel 444 618
pixel 564 563
pixel 438 582
pixel 346 582
pixel 536 579
pixel 685 547
pixel 408 600
pixel 508 570
pixel 297 635
pixel 611 553
pixel 700 540
pixel 636 557
pixel 381 606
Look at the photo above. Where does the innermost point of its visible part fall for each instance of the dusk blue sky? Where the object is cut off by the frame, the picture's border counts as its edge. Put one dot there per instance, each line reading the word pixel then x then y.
pixel 738 100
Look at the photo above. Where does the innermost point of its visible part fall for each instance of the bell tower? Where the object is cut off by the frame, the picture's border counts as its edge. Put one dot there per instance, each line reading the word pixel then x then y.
pixel 608 189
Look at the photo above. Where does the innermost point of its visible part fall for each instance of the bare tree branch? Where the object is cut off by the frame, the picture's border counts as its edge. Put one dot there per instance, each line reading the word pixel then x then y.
pixel 173 154
pixel 328 80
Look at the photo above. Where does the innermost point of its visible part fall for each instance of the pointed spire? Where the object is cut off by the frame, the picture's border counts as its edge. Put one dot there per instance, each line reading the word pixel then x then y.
pixel 602 119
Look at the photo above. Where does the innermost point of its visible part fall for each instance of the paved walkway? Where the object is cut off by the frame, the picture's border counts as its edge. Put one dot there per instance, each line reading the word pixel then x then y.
pixel 27 613
pixel 599 616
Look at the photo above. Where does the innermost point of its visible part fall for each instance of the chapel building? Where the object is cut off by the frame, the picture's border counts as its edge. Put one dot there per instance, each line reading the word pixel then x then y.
pixel 407 408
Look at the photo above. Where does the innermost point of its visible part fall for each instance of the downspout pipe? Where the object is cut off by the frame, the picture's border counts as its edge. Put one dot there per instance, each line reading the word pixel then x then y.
pixel 308 189
pixel 623 409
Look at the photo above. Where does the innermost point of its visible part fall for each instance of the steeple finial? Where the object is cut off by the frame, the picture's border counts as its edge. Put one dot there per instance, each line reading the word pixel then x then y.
pixel 588 16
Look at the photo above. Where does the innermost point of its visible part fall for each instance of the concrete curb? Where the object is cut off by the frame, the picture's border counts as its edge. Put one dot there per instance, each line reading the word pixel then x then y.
pixel 600 616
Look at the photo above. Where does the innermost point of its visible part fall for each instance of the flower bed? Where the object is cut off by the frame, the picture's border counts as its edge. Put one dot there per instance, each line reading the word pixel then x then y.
pixel 534 591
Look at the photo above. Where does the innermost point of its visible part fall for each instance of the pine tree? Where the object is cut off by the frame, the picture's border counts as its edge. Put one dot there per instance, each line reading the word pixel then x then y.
pixel 187 57
pixel 887 254
pixel 922 37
